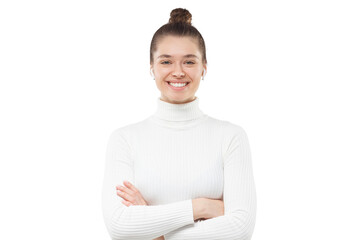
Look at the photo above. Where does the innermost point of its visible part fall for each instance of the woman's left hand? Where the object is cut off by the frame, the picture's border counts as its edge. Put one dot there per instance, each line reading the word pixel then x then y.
pixel 130 194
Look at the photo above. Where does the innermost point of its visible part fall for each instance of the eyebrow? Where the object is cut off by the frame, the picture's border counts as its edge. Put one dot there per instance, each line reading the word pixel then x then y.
pixel 169 56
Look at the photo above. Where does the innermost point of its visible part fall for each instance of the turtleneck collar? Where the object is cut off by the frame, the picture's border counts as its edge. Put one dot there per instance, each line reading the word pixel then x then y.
pixel 178 112
pixel 178 115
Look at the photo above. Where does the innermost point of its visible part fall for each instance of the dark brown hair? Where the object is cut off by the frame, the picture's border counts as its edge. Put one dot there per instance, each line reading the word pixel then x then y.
pixel 179 25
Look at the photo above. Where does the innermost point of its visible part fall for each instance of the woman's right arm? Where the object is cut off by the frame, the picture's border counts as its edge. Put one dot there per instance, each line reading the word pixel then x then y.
pixel 136 222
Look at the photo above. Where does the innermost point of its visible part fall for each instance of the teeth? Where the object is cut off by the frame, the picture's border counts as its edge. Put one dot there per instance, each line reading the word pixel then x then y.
pixel 178 84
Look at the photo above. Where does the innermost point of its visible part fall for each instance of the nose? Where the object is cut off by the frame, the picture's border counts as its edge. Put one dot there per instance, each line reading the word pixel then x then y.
pixel 178 71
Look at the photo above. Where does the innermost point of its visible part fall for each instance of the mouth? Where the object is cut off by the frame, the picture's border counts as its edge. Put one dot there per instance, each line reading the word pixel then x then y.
pixel 179 83
pixel 178 86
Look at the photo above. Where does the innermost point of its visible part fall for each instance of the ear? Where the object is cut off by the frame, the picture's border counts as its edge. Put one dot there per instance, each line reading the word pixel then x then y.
pixel 205 67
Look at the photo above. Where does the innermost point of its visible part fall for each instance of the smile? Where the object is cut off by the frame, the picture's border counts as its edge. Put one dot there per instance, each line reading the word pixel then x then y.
pixel 177 86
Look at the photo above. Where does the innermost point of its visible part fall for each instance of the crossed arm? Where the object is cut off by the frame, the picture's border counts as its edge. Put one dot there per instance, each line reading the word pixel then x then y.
pixel 132 196
pixel 176 220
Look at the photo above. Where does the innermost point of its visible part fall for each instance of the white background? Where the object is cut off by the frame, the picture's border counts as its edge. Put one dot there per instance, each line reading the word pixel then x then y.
pixel 286 71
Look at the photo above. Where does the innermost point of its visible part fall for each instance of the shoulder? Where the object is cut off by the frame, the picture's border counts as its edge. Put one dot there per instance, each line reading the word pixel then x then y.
pixel 128 130
pixel 233 136
pixel 229 128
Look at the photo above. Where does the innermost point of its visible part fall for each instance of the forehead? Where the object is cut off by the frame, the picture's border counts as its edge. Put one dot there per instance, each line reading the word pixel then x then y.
pixel 173 46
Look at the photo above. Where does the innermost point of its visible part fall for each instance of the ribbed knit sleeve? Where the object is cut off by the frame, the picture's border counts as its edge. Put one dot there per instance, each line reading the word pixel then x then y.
pixel 135 222
pixel 239 198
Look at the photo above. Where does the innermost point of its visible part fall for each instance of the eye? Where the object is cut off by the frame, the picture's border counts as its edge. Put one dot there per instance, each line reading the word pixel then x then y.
pixel 164 62
pixel 190 62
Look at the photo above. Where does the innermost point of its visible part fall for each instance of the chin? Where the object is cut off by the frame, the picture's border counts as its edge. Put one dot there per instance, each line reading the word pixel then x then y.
pixel 179 98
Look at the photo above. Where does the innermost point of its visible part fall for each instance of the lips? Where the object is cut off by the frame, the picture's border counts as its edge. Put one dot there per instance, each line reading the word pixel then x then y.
pixel 178 88
pixel 186 83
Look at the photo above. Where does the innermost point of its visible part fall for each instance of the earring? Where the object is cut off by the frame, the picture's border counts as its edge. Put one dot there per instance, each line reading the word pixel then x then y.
pixel 203 75
pixel 152 74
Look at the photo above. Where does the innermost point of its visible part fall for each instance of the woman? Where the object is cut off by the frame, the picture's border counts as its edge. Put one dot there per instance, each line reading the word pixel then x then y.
pixel 185 175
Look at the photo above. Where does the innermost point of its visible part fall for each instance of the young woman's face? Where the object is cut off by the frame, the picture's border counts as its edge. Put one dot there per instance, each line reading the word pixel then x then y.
pixel 177 59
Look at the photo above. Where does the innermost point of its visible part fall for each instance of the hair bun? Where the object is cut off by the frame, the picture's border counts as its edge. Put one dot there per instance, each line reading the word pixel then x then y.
pixel 180 15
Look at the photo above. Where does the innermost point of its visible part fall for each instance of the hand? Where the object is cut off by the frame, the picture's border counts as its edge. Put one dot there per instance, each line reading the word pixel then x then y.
pixel 213 208
pixel 130 194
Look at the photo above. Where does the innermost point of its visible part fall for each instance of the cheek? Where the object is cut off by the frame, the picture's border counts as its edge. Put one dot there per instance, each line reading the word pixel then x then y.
pixel 161 83
pixel 194 73
pixel 162 72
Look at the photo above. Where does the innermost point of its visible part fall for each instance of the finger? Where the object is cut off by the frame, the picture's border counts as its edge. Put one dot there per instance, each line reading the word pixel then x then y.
pixel 125 196
pixel 125 189
pixel 127 203
pixel 130 186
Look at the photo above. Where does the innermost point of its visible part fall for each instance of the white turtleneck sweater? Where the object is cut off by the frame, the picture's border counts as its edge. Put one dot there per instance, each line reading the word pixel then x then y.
pixel 176 155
